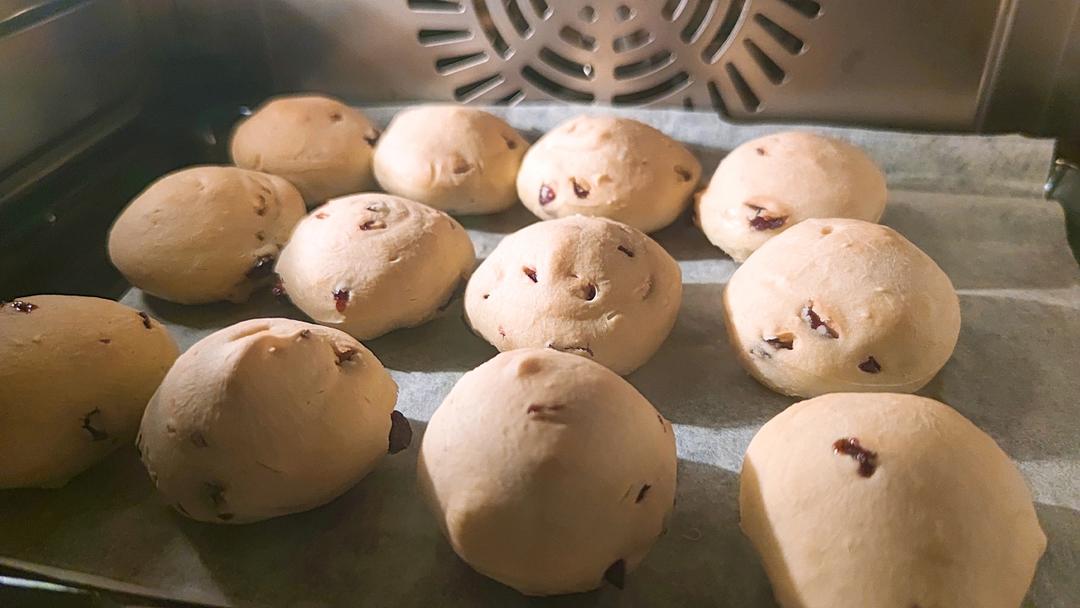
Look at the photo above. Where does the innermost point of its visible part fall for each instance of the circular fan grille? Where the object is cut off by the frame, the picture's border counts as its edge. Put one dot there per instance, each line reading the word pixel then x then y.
pixel 728 54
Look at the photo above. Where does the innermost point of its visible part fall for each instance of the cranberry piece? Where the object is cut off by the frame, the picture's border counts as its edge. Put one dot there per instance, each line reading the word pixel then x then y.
pixel 216 493
pixel 629 253
pixel 93 427
pixel 279 289
pixel 372 137
pixel 198 440
pixel 782 342
pixel 321 215
pixel 581 189
pixel 760 151
pixel 263 267
pixel 24 307
pixel 345 355
pixel 372 225
pixel 146 320
pixel 616 574
pixel 547 194
pixel 400 432
pixel 530 272
pixel 867 460
pixel 341 299
pixel 641 494
pixel 762 221
pixel 810 316
pixel 684 174
pixel 870 366
pixel 486 296
pixel 502 332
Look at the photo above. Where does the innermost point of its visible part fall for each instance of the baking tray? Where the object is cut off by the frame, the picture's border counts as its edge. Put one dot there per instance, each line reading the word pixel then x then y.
pixel 973 203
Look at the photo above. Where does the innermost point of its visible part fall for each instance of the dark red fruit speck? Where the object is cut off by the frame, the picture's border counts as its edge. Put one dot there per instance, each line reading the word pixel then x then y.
pixel 547 194
pixel 616 574
pixel 762 221
pixel 92 426
pixel 372 137
pixel 684 174
pixel 263 267
pixel 850 446
pixel 641 494
pixel 581 189
pixel 870 366
pixel 279 289
pixel 216 492
pixel 627 251
pixel 780 342
pixel 146 320
pixel 760 151
pixel 341 299
pixel 810 316
pixel 345 355
pixel 400 432
pixel 530 272
pixel 372 225
pixel 321 215
pixel 24 307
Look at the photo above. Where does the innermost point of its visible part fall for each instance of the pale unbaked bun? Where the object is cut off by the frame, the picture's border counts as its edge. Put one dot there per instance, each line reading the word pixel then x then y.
pixel 268 417
pixel 455 158
pixel 372 263
pixel 548 472
pixel 887 501
pixel 771 183
pixel 75 376
pixel 321 145
pixel 205 234
pixel 841 305
pixel 608 167
pixel 584 285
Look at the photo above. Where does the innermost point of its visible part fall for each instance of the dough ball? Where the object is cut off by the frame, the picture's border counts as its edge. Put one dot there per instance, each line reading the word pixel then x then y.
pixel 583 285
pixel 268 417
pixel 321 145
pixel 547 472
pixel 886 500
pixel 372 263
pixel 841 305
pixel 205 234
pixel 608 167
pixel 458 159
pixel 771 183
pixel 75 376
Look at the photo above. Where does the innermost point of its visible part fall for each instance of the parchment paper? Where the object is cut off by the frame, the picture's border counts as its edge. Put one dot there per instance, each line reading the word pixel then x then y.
pixel 973 203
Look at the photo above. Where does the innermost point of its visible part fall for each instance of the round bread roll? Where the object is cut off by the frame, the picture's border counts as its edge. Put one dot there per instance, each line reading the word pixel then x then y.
pixel 321 145
pixel 205 234
pixel 548 472
pixel 454 158
pixel 583 285
pixel 609 167
pixel 771 183
pixel 372 263
pixel 76 374
pixel 841 305
pixel 268 417
pixel 887 500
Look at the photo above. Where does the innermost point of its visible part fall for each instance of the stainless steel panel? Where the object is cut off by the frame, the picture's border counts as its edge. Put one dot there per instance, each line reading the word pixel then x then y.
pixel 61 64
pixel 915 63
